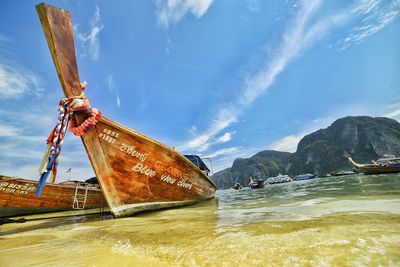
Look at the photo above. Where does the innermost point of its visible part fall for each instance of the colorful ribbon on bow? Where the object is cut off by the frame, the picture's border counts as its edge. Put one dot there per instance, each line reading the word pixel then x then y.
pixel 67 106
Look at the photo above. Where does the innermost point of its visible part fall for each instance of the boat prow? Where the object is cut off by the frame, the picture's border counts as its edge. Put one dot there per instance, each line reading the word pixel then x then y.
pixel 135 172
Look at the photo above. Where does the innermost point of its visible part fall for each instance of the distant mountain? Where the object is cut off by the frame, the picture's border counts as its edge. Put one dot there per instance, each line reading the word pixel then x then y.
pixel 324 151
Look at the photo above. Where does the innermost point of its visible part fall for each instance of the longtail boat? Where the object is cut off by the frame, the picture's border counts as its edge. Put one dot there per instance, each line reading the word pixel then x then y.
pixel 136 173
pixel 383 165
pixel 17 197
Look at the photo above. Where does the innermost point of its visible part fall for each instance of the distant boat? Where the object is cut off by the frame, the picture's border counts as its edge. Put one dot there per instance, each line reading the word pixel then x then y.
pixel 259 183
pixel 307 176
pixel 387 164
pixel 17 197
pixel 237 186
pixel 136 173
pixel 279 179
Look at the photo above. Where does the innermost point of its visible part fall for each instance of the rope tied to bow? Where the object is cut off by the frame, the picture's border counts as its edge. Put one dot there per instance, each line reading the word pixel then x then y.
pixel 67 107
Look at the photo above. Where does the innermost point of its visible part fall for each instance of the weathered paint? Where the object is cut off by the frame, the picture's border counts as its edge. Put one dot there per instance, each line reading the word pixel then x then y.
pixel 133 169
pixel 17 197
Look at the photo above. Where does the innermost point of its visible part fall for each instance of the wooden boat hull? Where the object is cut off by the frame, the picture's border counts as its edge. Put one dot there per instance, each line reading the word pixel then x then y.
pixel 378 170
pixel 374 168
pixel 17 197
pixel 135 172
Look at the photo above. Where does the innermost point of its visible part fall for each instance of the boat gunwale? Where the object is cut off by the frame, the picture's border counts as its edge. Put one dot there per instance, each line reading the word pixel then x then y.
pixel 81 184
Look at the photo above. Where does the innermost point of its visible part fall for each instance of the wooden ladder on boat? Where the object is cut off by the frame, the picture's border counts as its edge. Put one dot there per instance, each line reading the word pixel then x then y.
pixel 79 197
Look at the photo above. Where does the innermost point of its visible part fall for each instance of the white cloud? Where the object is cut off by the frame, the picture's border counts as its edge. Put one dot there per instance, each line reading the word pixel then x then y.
pixel 395 110
pixel 90 41
pixel 16 82
pixel 110 82
pixel 8 130
pixel 298 36
pixel 4 41
pixel 224 151
pixel 374 16
pixel 226 137
pixel 113 88
pixel 223 158
pixel 172 11
pixel 225 117
pixel 23 137
pixel 16 151
pixel 118 101
pixel 292 44
pixel 393 114
pixel 287 143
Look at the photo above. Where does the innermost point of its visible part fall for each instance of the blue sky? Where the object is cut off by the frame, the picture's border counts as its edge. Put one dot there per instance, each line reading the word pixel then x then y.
pixel 222 79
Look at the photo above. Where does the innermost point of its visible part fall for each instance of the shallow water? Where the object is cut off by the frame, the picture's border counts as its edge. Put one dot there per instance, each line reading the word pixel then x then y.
pixel 337 221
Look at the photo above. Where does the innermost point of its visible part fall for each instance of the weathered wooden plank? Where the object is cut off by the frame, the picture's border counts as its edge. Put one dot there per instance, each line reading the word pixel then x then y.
pixel 57 27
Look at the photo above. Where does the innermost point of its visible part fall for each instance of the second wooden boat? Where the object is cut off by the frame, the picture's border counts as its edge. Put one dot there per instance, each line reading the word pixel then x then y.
pixel 383 165
pixel 17 197
pixel 135 172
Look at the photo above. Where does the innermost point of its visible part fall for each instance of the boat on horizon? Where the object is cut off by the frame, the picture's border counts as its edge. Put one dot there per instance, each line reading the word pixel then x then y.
pixel 386 164
pixel 279 179
pixel 136 173
pixel 237 185
pixel 307 176
pixel 17 197
pixel 257 183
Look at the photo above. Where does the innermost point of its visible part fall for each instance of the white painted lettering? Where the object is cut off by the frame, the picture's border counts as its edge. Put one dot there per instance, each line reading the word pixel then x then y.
pixel 184 184
pixel 143 169
pixel 168 179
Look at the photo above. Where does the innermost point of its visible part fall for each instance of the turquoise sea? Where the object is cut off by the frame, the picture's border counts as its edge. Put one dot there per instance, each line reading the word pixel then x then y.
pixel 337 221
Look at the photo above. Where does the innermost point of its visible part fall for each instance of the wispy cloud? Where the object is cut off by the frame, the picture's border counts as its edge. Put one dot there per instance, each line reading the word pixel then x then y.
pixel 223 151
pixel 201 142
pixel 222 158
pixel 16 82
pixel 374 16
pixel 113 88
pixel 172 11
pixel 4 41
pixel 202 146
pixel 21 148
pixel 8 130
pixel 226 137
pixel 90 41
pixel 288 143
pixel 24 129
pixel 257 83
pixel 395 113
pixel 302 32
pixel 13 150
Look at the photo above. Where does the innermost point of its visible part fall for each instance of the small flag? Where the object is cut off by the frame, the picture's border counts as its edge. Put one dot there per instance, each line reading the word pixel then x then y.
pixel 69 170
